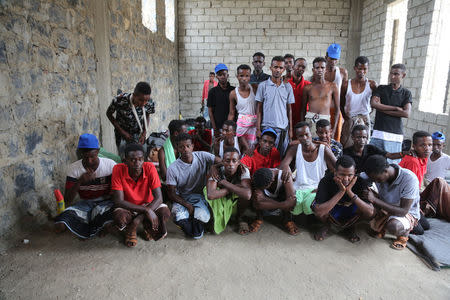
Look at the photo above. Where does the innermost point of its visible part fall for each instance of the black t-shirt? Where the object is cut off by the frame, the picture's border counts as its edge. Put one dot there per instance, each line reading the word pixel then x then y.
pixel 368 150
pixel 389 96
pixel 328 188
pixel 258 78
pixel 219 101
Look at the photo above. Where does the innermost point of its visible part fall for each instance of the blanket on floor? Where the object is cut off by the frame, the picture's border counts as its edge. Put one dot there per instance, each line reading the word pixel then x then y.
pixel 434 245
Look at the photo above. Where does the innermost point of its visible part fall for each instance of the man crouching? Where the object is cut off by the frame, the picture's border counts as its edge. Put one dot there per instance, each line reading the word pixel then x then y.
pixel 137 197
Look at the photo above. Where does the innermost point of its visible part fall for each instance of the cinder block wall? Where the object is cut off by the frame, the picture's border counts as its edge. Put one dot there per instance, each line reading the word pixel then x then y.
pixel 418 28
pixel 49 92
pixel 211 32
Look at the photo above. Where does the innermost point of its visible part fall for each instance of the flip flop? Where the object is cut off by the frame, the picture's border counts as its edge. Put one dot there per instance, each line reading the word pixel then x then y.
pixel 321 234
pixel 291 228
pixel 131 239
pixel 256 225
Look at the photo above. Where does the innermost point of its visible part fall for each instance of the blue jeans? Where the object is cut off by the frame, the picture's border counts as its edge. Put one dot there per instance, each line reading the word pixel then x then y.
pixel 201 211
pixel 391 147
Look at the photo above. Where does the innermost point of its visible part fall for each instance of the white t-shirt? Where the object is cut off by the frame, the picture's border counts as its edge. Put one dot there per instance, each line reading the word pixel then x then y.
pixel 437 168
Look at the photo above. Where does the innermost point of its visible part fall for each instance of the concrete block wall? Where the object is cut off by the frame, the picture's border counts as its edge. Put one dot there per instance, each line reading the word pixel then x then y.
pixel 49 92
pixel 211 32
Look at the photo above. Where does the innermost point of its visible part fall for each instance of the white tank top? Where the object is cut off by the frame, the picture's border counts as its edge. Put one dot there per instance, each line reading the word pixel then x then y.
pixel 236 145
pixel 338 79
pixel 358 104
pixel 246 106
pixel 309 174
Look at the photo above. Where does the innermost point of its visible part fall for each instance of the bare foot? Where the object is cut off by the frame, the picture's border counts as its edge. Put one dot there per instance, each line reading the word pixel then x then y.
pixel 322 233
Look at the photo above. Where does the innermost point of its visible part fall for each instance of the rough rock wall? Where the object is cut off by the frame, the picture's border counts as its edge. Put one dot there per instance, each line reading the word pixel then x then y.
pixel 49 94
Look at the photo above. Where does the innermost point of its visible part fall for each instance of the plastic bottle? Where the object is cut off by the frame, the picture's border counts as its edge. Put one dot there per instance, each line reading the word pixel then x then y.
pixel 60 205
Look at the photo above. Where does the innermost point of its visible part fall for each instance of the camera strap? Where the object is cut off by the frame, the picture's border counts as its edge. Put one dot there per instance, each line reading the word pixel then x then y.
pixel 133 109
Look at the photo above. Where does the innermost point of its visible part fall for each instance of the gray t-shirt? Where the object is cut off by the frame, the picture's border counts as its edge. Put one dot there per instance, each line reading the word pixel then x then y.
pixel 274 99
pixel 406 185
pixel 190 178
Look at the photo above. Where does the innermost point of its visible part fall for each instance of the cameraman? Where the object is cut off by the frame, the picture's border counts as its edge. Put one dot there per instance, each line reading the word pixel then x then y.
pixel 130 123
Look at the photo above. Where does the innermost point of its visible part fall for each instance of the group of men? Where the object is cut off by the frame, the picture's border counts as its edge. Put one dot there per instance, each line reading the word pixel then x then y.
pixel 273 148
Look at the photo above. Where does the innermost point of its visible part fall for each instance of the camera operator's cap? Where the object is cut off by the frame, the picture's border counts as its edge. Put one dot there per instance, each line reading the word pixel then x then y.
pixel 88 141
pixel 438 136
pixel 269 131
pixel 220 67
pixel 334 51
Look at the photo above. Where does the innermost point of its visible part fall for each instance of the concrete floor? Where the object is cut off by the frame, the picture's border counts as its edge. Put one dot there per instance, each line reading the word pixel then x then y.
pixel 266 265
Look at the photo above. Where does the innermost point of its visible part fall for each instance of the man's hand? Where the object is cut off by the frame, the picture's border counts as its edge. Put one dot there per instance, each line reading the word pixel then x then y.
pixel 128 137
pixel 142 138
pixel 87 177
pixel 190 209
pixel 214 173
pixel 351 184
pixel 152 217
pixel 319 142
pixel 294 142
pixel 291 134
pixel 339 183
pixel 369 195
pixel 286 174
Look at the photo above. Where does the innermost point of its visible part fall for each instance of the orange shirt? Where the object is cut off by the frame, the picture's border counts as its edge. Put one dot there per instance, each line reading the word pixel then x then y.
pixel 139 192
pixel 298 95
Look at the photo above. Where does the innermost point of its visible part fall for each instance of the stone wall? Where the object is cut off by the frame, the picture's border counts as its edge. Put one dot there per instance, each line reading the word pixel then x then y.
pixel 49 92
pixel 211 32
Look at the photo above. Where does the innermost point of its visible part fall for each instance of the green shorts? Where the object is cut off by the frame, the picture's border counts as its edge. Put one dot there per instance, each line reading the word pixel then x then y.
pixel 304 200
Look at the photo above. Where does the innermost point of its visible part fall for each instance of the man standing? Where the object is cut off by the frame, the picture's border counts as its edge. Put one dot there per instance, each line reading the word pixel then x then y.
pixel 335 74
pixel 298 82
pixel 321 96
pixel 355 100
pixel 132 116
pixel 338 200
pixel 90 178
pixel 138 198
pixel 289 65
pixel 207 85
pixel 392 102
pixel 274 99
pixel 258 63
pixel 397 202
pixel 219 99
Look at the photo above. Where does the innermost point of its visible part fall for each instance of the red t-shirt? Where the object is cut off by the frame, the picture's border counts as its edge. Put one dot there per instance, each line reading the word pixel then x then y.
pixel 207 137
pixel 258 161
pixel 298 94
pixel 139 192
pixel 417 165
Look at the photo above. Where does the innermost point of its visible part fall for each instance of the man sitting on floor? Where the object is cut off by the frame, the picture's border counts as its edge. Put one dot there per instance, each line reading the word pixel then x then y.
pixel 202 137
pixel 90 178
pixel 229 190
pixel 138 198
pixel 361 150
pixel 311 162
pixel 397 202
pixel 186 178
pixel 265 155
pixel 271 192
pixel 168 153
pixel 338 200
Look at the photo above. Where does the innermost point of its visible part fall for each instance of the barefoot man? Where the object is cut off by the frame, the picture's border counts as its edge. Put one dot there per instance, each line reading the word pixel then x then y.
pixel 321 95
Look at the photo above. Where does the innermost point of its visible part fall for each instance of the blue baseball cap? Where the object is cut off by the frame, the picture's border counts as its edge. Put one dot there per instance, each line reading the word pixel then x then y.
pixel 220 67
pixel 88 141
pixel 269 130
pixel 438 136
pixel 334 51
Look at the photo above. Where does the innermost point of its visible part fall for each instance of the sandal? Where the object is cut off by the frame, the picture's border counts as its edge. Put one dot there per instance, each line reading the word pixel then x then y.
pixel 255 226
pixel 131 239
pixel 351 235
pixel 243 228
pixel 399 243
pixel 146 235
pixel 291 228
pixel 376 234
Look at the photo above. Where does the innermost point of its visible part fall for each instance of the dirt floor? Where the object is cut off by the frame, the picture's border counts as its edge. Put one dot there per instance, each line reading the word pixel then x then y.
pixel 265 265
